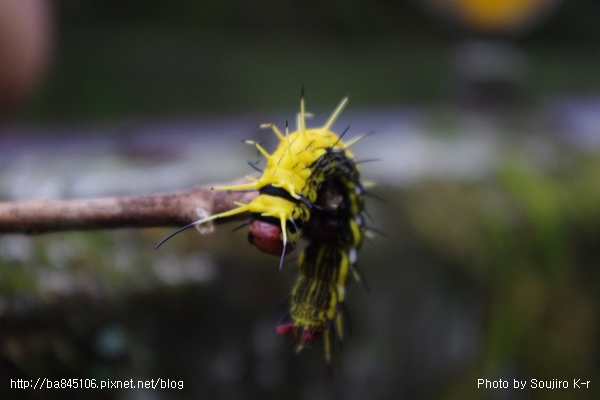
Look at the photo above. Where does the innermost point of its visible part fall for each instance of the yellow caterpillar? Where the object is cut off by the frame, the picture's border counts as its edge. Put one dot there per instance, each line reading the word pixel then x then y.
pixel 288 185
pixel 311 183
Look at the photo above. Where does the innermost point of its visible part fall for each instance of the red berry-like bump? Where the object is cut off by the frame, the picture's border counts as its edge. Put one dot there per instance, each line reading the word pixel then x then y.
pixel 267 237
pixel 282 329
pixel 309 336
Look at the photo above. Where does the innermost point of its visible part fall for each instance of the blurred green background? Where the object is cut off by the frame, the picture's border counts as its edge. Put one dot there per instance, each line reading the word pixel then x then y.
pixel 115 59
pixel 488 135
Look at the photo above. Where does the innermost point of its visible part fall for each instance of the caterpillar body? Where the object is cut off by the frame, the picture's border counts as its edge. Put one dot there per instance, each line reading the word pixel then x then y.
pixel 317 297
pixel 335 232
pixel 289 184
pixel 310 188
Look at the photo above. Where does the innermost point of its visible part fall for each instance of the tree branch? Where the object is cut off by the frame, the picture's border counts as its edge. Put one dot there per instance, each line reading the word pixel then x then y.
pixel 154 210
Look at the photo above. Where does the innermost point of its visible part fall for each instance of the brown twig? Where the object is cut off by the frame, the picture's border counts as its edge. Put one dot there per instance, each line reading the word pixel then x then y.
pixel 161 209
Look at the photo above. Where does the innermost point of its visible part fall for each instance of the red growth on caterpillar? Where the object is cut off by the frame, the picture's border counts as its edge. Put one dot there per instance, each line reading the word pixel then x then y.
pixel 266 236
pixel 307 336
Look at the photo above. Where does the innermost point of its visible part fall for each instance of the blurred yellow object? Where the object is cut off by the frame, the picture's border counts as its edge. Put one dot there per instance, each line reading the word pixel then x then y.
pixel 494 16
pixel 499 14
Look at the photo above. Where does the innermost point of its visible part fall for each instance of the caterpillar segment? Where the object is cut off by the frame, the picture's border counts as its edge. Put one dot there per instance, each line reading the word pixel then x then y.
pixel 335 232
pixel 291 166
pixel 317 296
pixel 317 301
